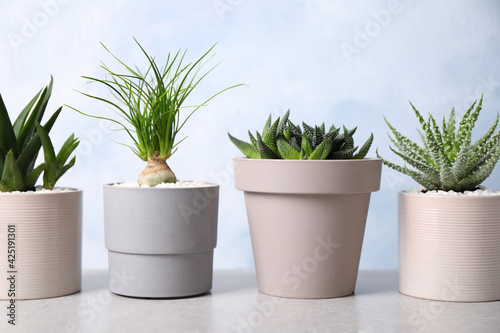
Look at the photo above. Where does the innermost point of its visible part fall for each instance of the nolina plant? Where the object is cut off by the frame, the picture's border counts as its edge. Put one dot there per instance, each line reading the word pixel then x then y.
pixel 21 142
pixel 150 101
pixel 448 160
pixel 284 140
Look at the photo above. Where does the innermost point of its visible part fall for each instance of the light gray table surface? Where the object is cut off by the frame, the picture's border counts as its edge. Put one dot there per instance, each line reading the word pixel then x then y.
pixel 235 305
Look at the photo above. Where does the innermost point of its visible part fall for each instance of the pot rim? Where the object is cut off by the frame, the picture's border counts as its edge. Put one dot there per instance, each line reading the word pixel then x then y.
pixel 344 161
pixel 439 195
pixel 31 193
pixel 307 176
pixel 140 188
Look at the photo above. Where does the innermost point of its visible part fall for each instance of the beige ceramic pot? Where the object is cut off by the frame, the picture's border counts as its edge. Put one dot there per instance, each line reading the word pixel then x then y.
pixel 307 221
pixel 449 247
pixel 40 243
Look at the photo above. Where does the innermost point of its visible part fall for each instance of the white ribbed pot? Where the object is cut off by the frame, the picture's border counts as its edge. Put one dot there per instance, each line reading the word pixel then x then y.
pixel 307 222
pixel 160 241
pixel 449 247
pixel 42 233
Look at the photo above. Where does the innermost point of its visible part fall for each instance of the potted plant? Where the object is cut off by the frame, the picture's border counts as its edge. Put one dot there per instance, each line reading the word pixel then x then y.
pixel 307 193
pixel 40 227
pixel 449 230
pixel 160 232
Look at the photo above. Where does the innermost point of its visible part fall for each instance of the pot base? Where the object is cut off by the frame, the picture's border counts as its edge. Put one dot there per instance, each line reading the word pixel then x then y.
pixel 160 276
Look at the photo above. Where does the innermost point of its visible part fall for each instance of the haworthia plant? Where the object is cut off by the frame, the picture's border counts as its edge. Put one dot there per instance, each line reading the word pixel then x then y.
pixel 448 160
pixel 282 139
pixel 21 142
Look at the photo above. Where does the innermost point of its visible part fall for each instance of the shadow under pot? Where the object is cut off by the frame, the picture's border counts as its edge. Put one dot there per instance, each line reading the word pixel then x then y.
pixel 160 241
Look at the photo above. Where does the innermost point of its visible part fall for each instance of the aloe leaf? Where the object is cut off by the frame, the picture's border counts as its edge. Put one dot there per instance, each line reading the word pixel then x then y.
pixel 364 148
pixel 348 139
pixel 418 177
pixel 293 142
pixel 483 139
pixel 246 148
pixel 21 119
pixel 317 152
pixel 267 125
pixel 264 151
pixel 66 168
pixel 252 140
pixel 26 132
pixel 421 119
pixel 2 160
pixel 27 158
pixel 306 149
pixel 287 151
pixel 32 177
pixel 483 154
pixel 269 137
pixel 463 127
pixel 11 175
pixel 344 153
pixel 424 168
pixel 282 124
pixel 317 137
pixel 67 148
pixel 451 126
pixel 295 131
pixel 482 172
pixel 328 144
pixel 50 173
pixel 7 136
pixel 309 130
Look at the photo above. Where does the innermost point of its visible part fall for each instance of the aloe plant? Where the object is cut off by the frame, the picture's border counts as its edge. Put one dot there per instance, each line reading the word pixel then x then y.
pixel 282 139
pixel 150 101
pixel 448 160
pixel 21 142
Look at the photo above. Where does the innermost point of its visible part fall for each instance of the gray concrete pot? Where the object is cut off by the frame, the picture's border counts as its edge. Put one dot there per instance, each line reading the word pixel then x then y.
pixel 43 232
pixel 160 240
pixel 307 221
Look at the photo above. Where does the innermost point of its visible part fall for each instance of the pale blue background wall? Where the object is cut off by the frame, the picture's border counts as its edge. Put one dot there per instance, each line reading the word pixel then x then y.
pixel 342 62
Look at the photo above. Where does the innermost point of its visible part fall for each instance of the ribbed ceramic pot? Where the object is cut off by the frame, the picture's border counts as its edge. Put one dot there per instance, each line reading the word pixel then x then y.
pixel 41 244
pixel 449 247
pixel 160 240
pixel 307 221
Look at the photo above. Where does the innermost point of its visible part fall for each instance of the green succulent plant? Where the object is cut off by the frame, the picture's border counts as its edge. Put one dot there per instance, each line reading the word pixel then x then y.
pixel 149 103
pixel 448 160
pixel 21 142
pixel 282 139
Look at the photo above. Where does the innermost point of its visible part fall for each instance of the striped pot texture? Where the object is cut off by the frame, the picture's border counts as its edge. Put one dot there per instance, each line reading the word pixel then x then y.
pixel 449 247
pixel 47 244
